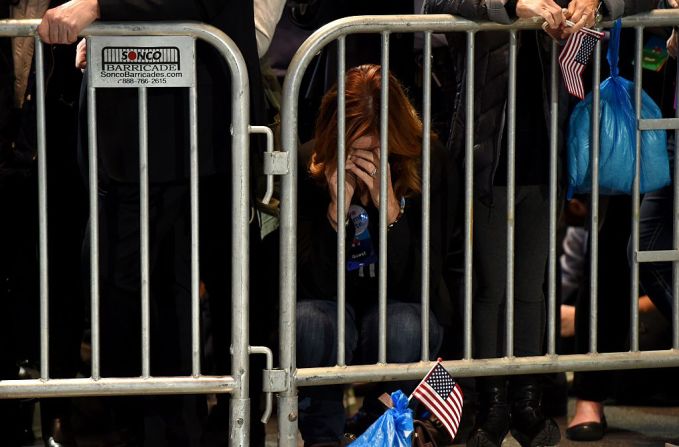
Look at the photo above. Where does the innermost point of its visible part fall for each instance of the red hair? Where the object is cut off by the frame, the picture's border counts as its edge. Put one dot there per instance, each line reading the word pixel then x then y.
pixel 362 107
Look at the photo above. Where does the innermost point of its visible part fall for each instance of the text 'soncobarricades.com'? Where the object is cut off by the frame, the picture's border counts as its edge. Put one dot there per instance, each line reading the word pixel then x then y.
pixel 148 61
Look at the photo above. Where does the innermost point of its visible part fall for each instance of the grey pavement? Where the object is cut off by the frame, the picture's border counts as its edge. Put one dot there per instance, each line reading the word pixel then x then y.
pixel 628 426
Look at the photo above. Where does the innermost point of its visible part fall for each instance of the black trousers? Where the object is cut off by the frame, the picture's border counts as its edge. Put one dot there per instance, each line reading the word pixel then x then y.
pixel 531 246
pixel 613 298
pixel 18 290
pixel 172 420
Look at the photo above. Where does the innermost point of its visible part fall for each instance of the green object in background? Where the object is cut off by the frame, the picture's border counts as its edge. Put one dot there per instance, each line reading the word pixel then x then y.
pixel 654 54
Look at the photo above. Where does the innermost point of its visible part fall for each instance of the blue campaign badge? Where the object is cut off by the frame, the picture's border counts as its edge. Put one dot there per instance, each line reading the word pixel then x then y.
pixel 361 251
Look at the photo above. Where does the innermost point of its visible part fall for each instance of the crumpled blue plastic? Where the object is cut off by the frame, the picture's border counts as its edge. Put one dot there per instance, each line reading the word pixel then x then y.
pixel 617 138
pixel 393 429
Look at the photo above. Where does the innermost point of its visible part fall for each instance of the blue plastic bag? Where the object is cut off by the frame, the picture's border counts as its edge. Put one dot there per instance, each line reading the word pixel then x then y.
pixel 617 137
pixel 393 429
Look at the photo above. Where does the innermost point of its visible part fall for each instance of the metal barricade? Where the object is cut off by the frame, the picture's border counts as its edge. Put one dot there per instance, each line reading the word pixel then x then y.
pixel 184 35
pixel 509 365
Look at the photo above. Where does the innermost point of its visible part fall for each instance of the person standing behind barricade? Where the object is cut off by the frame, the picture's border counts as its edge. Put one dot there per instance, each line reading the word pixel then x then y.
pixel 657 216
pixel 321 412
pixel 520 408
pixel 176 421
pixel 66 217
pixel 18 266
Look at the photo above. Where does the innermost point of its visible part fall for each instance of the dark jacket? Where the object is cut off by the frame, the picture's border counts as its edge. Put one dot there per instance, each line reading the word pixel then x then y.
pixel 318 242
pixel 491 75
pixel 168 108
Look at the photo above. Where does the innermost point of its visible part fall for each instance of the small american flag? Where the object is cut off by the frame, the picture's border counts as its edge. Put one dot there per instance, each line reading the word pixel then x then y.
pixel 574 58
pixel 443 396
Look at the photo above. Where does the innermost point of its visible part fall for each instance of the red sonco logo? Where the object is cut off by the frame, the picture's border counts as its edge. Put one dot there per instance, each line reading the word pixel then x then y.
pixel 132 55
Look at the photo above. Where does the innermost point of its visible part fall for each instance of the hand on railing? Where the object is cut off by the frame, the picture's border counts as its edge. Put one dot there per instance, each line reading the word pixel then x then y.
pixel 672 43
pixel 81 55
pixel 64 23
pixel 547 9
pixel 582 13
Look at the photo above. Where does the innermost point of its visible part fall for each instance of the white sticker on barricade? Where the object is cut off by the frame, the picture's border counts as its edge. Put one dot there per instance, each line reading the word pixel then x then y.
pixel 141 61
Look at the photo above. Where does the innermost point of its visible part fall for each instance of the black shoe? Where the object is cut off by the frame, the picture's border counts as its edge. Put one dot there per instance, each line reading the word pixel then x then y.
pixel 530 427
pixel 492 422
pixel 587 431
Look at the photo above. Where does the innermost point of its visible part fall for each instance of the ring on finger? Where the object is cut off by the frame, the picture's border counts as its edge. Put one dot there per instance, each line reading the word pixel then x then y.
pixel 372 174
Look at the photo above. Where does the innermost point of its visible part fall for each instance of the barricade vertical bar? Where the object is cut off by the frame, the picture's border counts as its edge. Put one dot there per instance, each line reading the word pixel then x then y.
pixel 195 261
pixel 287 400
pixel 675 265
pixel 636 198
pixel 239 404
pixel 553 155
pixel 511 194
pixel 384 165
pixel 426 192
pixel 144 231
pixel 94 220
pixel 594 211
pixel 42 209
pixel 341 215
pixel 469 196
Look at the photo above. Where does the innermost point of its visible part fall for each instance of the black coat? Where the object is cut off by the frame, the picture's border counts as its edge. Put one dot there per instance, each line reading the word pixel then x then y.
pixel 168 107
pixel 491 75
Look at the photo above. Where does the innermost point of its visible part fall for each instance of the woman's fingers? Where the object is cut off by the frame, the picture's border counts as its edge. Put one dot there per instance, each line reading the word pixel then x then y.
pixel 368 166
pixel 363 176
pixel 371 156
pixel 672 44
pixel 549 18
pixel 81 55
pixel 578 25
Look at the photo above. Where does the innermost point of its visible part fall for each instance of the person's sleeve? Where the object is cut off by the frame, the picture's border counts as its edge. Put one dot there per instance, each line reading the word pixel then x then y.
pixel 267 15
pixel 143 10
pixel 401 248
pixel 404 267
pixel 500 11
pixel 317 251
pixel 316 238
pixel 618 8
pixel 573 260
pixel 613 9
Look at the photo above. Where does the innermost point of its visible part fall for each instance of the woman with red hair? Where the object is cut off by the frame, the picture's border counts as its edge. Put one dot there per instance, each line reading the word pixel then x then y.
pixel 321 410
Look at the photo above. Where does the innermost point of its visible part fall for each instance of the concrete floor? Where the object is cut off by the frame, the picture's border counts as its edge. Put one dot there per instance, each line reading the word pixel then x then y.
pixel 628 426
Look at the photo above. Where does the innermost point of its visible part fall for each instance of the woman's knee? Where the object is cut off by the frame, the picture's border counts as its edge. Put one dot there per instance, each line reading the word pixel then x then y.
pixel 404 333
pixel 317 333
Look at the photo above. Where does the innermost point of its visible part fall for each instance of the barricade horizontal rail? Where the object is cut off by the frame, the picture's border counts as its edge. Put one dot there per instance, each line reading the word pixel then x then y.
pixel 488 367
pixel 19 389
pixel 236 384
pixel 337 32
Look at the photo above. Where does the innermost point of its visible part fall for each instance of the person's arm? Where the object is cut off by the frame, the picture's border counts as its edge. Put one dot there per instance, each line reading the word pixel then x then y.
pixel 267 15
pixel 316 235
pixel 474 9
pixel 160 9
pixel 500 11
pixel 64 23
pixel 404 239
